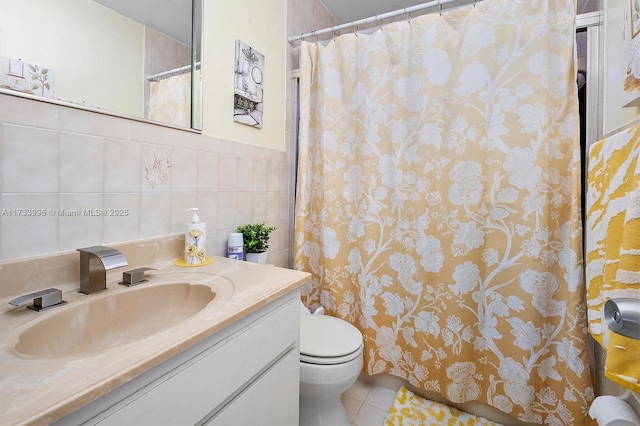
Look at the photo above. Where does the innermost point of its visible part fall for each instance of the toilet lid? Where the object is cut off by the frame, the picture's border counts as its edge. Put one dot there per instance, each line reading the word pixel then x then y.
pixel 327 337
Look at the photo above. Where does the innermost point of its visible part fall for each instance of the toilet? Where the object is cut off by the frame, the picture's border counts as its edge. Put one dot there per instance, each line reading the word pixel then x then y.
pixel 330 361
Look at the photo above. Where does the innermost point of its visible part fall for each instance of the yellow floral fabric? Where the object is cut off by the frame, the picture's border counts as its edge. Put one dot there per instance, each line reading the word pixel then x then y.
pixel 409 409
pixel 438 203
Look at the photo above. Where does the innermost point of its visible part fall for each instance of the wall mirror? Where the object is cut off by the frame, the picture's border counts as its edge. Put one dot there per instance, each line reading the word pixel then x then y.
pixel 139 59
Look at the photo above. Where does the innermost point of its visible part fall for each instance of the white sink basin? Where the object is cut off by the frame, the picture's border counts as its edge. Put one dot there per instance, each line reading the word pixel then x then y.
pixel 112 320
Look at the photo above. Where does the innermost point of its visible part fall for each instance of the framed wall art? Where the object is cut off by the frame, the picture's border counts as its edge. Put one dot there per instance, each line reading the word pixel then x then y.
pixel 249 84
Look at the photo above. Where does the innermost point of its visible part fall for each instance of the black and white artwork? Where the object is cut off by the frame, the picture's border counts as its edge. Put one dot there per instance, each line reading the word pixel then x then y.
pixel 248 91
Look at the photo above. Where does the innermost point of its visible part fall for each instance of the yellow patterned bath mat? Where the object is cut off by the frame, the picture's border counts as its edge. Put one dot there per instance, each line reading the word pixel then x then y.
pixel 410 409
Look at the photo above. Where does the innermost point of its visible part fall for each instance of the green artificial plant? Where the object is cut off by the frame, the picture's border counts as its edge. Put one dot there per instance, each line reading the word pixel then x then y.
pixel 255 237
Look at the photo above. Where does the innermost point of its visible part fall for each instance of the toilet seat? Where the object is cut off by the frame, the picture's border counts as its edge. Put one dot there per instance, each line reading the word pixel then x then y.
pixel 328 340
pixel 332 360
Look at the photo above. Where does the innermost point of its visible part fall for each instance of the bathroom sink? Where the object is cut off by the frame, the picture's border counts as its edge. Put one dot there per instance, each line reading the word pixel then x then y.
pixel 112 320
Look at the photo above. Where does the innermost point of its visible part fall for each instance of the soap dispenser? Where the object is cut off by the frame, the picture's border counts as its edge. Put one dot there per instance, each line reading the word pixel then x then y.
pixel 195 239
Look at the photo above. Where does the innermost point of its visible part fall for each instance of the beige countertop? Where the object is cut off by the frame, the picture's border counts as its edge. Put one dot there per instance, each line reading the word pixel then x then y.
pixel 37 390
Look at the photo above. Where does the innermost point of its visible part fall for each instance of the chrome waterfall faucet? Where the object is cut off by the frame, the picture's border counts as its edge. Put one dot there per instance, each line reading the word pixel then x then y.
pixel 95 261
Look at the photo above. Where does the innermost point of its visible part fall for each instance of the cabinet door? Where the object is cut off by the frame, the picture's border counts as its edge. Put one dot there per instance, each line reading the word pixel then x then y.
pixel 188 395
pixel 272 400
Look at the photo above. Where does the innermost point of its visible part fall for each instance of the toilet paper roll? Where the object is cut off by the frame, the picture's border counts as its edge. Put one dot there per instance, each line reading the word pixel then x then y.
pixel 623 317
pixel 612 411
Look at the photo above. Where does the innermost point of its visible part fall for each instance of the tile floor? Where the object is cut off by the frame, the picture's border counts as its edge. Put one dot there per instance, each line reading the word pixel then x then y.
pixel 367 405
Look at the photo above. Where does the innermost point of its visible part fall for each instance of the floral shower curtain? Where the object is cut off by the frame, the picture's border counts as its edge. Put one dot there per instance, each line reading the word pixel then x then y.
pixel 438 203
pixel 170 100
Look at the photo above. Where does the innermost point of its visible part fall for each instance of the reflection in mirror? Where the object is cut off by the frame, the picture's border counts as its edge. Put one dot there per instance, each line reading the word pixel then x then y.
pixel 132 58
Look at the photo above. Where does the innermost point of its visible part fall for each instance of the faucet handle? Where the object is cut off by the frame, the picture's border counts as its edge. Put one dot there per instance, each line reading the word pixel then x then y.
pixel 135 276
pixel 42 300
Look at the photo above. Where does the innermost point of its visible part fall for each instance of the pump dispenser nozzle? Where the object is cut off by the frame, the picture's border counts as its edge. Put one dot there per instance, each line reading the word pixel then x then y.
pixel 195 218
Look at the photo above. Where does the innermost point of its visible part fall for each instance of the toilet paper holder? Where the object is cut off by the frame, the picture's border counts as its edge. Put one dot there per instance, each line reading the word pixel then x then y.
pixel 623 316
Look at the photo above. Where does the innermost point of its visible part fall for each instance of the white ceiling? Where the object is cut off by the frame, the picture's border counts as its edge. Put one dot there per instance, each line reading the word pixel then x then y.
pixel 172 17
pixel 351 10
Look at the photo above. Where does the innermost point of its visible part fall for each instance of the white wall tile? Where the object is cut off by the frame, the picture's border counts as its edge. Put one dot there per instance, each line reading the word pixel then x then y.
pixel 84 223
pixel 245 174
pixel 155 214
pixel 259 209
pixel 207 171
pixel 207 202
pixel 89 123
pixel 25 235
pixel 29 159
pixel 81 163
pixel 184 170
pixel 160 135
pixel 226 210
pixel 170 53
pixel 279 239
pixel 273 176
pixel 122 166
pixel 244 207
pixel 122 222
pixel 278 258
pixel 16 110
pixel 260 174
pixel 278 203
pixel 227 173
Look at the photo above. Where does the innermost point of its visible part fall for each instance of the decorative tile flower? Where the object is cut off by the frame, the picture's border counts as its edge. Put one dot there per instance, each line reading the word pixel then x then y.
pixel 158 172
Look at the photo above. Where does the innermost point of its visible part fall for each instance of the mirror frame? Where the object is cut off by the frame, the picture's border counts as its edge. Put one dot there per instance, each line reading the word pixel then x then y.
pixel 197 94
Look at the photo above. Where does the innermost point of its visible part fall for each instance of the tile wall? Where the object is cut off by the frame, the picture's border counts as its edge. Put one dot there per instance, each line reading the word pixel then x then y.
pixel 58 164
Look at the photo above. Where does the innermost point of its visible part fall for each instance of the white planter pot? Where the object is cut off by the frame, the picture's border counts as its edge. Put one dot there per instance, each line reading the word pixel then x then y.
pixel 257 257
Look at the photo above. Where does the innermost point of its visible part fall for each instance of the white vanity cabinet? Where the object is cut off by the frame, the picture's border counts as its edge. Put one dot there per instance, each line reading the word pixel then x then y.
pixel 246 374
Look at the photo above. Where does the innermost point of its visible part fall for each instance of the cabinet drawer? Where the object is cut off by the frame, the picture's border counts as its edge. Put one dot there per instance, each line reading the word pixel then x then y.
pixel 273 400
pixel 188 395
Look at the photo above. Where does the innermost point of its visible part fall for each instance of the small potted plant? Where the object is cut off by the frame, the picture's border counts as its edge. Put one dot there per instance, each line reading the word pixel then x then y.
pixel 255 238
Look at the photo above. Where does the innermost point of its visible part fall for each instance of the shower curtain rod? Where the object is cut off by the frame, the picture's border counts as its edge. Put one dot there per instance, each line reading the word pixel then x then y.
pixel 377 18
pixel 174 71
